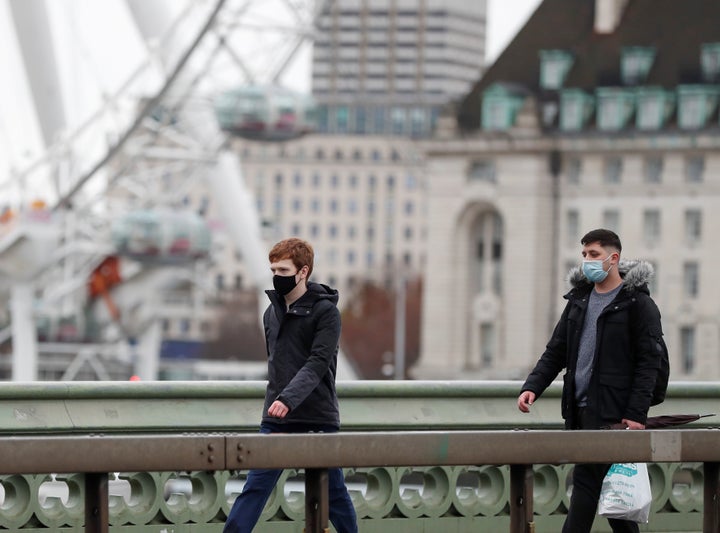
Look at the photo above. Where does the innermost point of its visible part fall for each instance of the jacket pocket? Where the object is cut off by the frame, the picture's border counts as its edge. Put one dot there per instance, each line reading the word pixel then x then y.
pixel 614 394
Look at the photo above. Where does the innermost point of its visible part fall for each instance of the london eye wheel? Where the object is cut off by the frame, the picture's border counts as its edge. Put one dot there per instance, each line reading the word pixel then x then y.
pixel 108 183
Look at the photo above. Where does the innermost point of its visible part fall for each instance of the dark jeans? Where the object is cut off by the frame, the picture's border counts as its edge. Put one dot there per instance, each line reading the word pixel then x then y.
pixel 587 482
pixel 260 483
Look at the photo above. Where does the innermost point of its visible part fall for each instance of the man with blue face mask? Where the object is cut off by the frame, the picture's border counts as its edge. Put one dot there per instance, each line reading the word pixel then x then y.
pixel 609 341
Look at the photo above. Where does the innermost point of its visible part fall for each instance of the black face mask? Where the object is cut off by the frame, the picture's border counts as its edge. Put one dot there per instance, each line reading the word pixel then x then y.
pixel 284 284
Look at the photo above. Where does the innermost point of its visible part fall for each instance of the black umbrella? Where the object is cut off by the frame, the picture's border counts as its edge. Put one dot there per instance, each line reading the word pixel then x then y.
pixel 663 421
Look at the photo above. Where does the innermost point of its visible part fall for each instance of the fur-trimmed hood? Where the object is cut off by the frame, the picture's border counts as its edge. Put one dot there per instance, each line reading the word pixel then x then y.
pixel 636 274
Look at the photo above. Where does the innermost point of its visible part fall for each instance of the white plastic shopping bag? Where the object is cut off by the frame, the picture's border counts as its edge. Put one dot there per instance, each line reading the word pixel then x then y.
pixel 626 493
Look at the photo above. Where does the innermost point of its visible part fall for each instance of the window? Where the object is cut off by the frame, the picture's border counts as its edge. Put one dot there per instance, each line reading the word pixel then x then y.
pixel 696 104
pixel 315 205
pixel 297 179
pixel 352 206
pixel 691 279
pixel 687 348
pixel 499 108
pixel 694 169
pixel 482 171
pixel 334 181
pixel 693 226
pixel 654 106
pixel 341 119
pixel 652 169
pixel 575 109
pixel 333 205
pixel 572 226
pixel 297 205
pixel 613 170
pixel 710 61
pixel 651 227
pixel 220 282
pixel 353 180
pixel 360 120
pixel 554 66
pixel 417 121
pixel 614 107
pixel 338 155
pixel 611 220
pixel 653 284
pixel 351 257
pixel 574 169
pixel 390 182
pixel 409 208
pixel 379 117
pixel 332 231
pixel 278 179
pixel 238 281
pixel 398 115
pixel 487 344
pixel 316 180
pixel 635 64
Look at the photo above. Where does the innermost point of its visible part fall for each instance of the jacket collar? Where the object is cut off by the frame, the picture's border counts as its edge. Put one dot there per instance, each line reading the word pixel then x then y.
pixel 636 274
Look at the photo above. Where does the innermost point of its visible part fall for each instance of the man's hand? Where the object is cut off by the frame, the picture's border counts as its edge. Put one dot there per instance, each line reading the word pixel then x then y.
pixel 278 409
pixel 525 400
pixel 631 424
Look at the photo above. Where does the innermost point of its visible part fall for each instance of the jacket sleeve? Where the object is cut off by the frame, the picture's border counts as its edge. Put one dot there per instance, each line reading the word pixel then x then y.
pixel 553 359
pixel 323 351
pixel 645 330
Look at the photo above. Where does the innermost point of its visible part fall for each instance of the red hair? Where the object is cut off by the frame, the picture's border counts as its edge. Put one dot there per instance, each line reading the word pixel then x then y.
pixel 300 252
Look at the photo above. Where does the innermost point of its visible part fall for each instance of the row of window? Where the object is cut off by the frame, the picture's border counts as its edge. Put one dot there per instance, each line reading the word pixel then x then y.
pixel 338 154
pixel 613 108
pixel 334 207
pixel 334 232
pixel 635 65
pixel 651 225
pixel 414 121
pixel 484 170
pixel 653 166
pixel 335 181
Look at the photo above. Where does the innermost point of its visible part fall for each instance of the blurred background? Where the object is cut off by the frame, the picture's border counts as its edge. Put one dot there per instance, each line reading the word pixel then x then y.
pixel 444 157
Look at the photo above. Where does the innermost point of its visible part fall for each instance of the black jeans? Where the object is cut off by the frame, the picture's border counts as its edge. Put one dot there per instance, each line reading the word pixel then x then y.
pixel 587 482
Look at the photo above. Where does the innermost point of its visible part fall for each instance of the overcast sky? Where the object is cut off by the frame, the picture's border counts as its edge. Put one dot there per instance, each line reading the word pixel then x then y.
pixel 107 50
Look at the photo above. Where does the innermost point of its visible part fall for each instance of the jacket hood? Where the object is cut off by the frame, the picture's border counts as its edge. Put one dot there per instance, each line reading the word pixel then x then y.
pixel 319 291
pixel 636 274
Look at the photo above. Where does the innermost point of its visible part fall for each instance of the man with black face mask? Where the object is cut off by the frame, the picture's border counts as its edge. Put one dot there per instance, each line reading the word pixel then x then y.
pixel 302 333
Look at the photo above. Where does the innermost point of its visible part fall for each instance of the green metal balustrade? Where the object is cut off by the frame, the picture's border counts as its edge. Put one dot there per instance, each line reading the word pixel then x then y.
pixel 444 499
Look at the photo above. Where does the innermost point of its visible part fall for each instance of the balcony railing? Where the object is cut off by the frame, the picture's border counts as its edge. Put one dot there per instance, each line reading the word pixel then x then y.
pixel 182 450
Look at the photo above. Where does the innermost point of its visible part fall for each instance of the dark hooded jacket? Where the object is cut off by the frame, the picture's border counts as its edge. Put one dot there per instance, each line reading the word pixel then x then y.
pixel 302 346
pixel 627 350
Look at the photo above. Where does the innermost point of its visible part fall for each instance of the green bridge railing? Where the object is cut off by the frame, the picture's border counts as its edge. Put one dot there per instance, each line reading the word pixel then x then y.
pixel 387 498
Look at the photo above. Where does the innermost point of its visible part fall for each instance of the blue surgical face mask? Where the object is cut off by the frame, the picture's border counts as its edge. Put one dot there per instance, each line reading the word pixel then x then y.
pixel 593 270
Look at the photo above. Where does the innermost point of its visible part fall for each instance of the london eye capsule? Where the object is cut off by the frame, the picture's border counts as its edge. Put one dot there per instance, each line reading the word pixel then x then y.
pixel 266 113
pixel 161 236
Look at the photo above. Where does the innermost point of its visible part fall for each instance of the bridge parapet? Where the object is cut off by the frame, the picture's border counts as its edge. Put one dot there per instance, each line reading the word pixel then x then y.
pixel 388 497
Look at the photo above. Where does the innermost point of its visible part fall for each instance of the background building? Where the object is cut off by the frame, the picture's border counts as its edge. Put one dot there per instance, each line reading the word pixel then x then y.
pixel 389 66
pixel 609 120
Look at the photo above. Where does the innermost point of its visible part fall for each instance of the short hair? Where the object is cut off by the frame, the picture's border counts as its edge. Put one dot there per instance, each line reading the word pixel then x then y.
pixel 605 237
pixel 300 252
